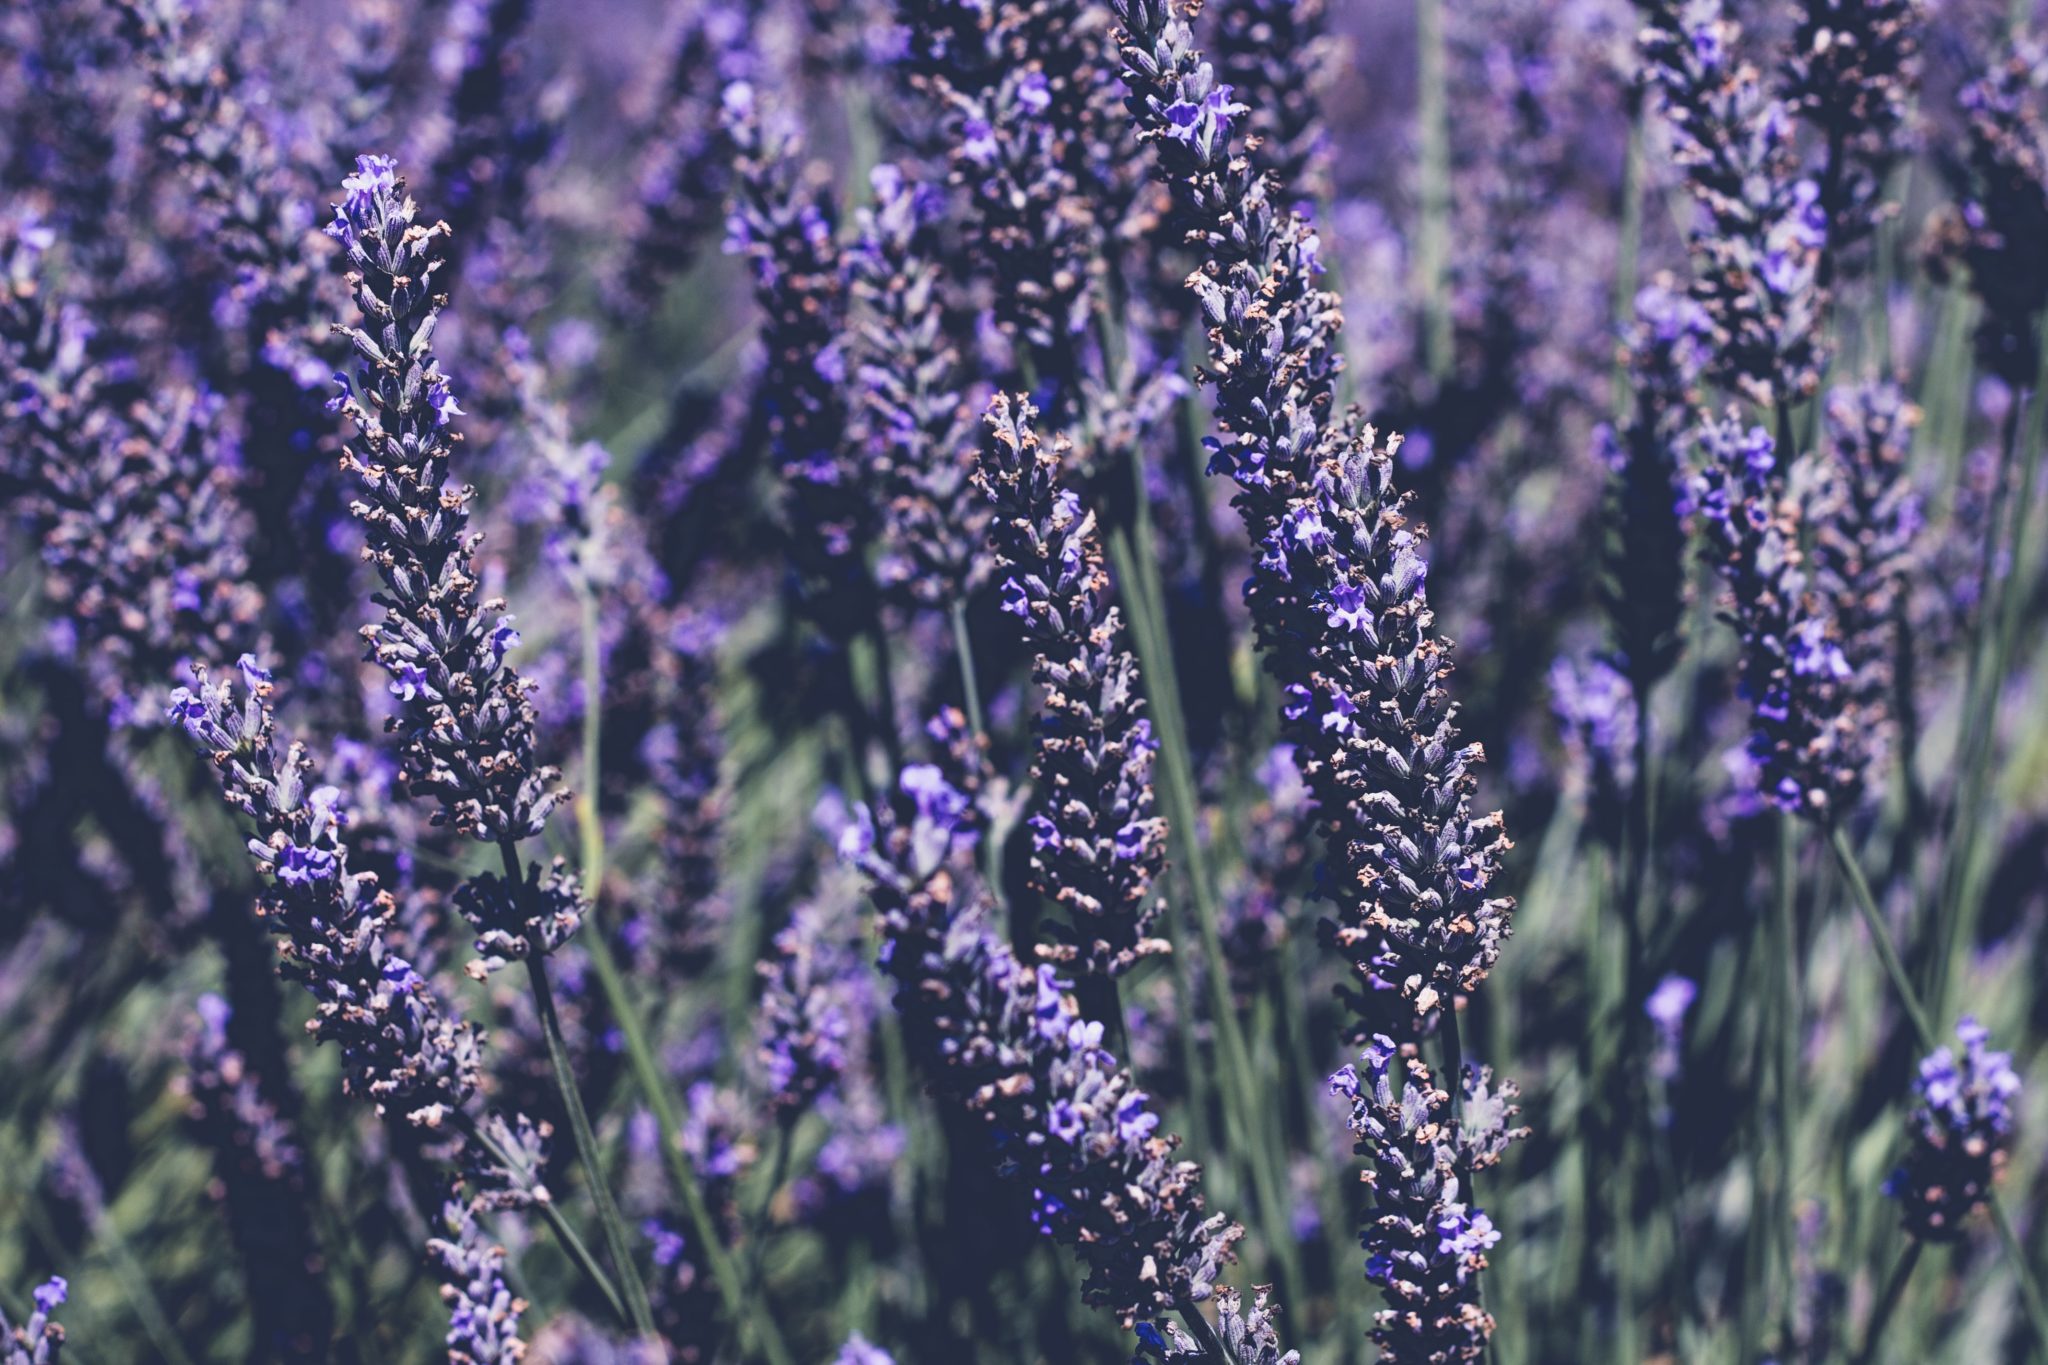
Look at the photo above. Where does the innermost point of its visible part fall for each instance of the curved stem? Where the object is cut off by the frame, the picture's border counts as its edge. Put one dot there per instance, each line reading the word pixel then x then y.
pixel 1887 1301
pixel 1909 1000
pixel 565 1231
pixel 637 1309
pixel 640 1058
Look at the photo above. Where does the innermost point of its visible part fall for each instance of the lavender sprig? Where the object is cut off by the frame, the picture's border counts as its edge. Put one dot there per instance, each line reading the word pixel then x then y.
pixel 916 419
pixel 1851 72
pixel 483 1312
pixel 1809 739
pixel 1337 592
pixel 1958 1131
pixel 1644 587
pixel 2001 185
pixel 1007 1044
pixel 1426 1242
pixel 1097 844
pixel 785 223
pixel 40 1340
pixel 1763 229
pixel 1274 55
pixel 465 723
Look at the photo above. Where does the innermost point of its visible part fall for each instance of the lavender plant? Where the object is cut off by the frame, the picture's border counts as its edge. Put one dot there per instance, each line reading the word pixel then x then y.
pixel 1096 845
pixel 1958 1133
pixel 39 1340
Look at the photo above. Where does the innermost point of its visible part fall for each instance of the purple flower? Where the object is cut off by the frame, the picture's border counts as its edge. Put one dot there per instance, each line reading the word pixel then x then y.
pixel 1958 1134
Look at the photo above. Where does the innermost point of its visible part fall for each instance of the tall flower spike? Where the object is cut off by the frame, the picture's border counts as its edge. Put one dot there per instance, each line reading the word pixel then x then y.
pixel 784 223
pixel 1274 55
pixel 399 1050
pixel 1852 73
pixel 40 1340
pixel 1644 587
pixel 1337 591
pixel 1809 737
pixel 1958 1131
pixel 1865 519
pixel 2001 214
pixel 1096 843
pixel 465 723
pixel 916 420
pixel 1007 1044
pixel 1425 1244
pixel 483 1312
pixel 1757 250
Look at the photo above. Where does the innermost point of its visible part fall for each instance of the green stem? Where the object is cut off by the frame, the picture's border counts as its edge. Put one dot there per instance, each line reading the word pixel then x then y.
pixel 1902 985
pixel 963 651
pixel 1785 944
pixel 565 1232
pixel 640 1058
pixel 1245 1118
pixel 1433 171
pixel 620 1250
pixel 1894 1290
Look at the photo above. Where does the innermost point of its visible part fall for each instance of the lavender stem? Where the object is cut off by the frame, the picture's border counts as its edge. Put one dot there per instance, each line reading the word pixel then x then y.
pixel 638 1312
pixel 1909 1001
pixel 565 1231
pixel 639 1054
pixel 1894 1290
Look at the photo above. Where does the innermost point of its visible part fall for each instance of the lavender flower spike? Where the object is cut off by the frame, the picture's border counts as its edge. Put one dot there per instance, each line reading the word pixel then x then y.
pixel 1757 250
pixel 1959 1132
pixel 1426 1245
pixel 465 722
pixel 1096 844
pixel 1808 737
pixel 1338 589
pixel 1009 1046
pixel 483 1313
pixel 39 1341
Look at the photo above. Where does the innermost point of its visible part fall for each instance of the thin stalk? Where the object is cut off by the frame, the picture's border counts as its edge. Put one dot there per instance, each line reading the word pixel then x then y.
pixel 1909 1001
pixel 640 1058
pixel 1433 173
pixel 1243 1113
pixel 617 1247
pixel 1894 1290
pixel 963 651
pixel 156 1324
pixel 1785 944
pixel 565 1231
pixel 970 687
pixel 1972 750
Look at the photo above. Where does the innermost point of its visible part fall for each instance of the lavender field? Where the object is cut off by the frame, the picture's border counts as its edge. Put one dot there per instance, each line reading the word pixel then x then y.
pixel 896 682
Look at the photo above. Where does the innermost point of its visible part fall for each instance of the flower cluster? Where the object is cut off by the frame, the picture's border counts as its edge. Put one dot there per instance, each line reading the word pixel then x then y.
pixel 1851 73
pixel 916 418
pixel 400 1048
pixel 1644 587
pixel 1764 228
pixel 1958 1131
pixel 784 222
pixel 1249 1336
pixel 1273 56
pixel 1426 1243
pixel 1097 844
pixel 1338 590
pixel 685 168
pixel 140 530
pixel 1009 1045
pixel 465 721
pixel 817 1005
pixel 2001 184
pixel 483 1312
pixel 1809 740
pixel 1597 719
pixel 40 1340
